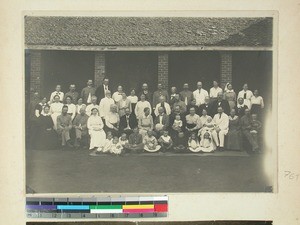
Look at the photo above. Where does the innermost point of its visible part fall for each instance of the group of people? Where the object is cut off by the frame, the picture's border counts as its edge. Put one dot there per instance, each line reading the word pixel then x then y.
pixel 185 121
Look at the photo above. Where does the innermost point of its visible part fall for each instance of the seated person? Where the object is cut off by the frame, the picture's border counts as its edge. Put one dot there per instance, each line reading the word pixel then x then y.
pixel 145 122
pixel 127 122
pixel 123 139
pixel 107 144
pixel 135 141
pixel 80 126
pixel 116 147
pixel 177 124
pixel 193 122
pixel 193 143
pixel 64 125
pixel 206 142
pixel 255 128
pixel 180 142
pixel 165 141
pixel 161 121
pixel 150 142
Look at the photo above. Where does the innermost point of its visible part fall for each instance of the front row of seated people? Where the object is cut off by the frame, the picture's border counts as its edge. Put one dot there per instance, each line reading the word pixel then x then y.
pixel 195 133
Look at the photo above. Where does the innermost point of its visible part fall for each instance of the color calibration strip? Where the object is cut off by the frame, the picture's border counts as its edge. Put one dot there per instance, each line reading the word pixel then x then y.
pixel 108 207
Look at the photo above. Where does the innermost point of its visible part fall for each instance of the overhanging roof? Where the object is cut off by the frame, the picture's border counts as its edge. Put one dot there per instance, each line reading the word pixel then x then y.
pixel 148 33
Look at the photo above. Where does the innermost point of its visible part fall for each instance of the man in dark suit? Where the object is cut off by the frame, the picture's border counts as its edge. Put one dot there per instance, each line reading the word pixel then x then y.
pixel 100 92
pixel 127 123
pixel 161 121
pixel 240 108
pixel 220 102
pixel 147 93
pixel 207 105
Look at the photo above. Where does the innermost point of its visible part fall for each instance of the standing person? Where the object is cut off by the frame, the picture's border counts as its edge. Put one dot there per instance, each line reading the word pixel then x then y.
pixel 72 93
pixel 172 96
pixel 213 92
pixel 186 95
pixel 47 137
pixel 71 107
pixel 200 94
pixel 162 103
pixel 80 105
pixel 91 106
pixel 245 123
pixel 161 121
pixel 146 92
pixel 193 122
pixel 64 125
pixel 257 104
pixel 105 104
pixel 220 102
pixel 80 126
pixel 178 102
pixel 246 95
pixel 135 142
pixel 123 104
pixel 88 92
pixel 40 107
pixel 57 92
pixel 55 110
pixel 117 96
pixel 222 124
pixel 145 122
pixel 207 105
pixel 133 100
pixel 112 120
pixel 193 105
pixel 127 122
pixel 95 126
pixel 159 93
pixel 234 132
pixel 230 96
pixel 141 105
pixel 240 108
pixel 100 92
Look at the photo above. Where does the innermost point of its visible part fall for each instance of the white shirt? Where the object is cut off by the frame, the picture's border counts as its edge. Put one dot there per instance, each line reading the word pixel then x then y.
pixel 89 108
pixel 56 107
pixel 222 122
pixel 200 96
pixel 213 92
pixel 133 99
pixel 257 100
pixel 139 108
pixel 60 94
pixel 117 96
pixel 72 109
pixel 167 107
pixel 105 88
pixel 104 106
pixel 203 119
pixel 249 95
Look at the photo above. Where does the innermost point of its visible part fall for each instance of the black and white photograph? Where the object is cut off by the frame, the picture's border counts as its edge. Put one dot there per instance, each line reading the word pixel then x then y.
pixel 149 104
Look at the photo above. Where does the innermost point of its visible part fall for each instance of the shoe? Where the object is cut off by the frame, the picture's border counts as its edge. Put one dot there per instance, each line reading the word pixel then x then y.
pixel 69 144
pixel 221 149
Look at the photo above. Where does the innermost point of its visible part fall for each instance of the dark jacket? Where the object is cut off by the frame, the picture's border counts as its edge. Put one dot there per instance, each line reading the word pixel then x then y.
pixel 132 122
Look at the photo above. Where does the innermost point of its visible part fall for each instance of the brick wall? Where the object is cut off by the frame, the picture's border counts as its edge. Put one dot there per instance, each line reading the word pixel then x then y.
pixel 99 68
pixel 35 72
pixel 226 68
pixel 163 69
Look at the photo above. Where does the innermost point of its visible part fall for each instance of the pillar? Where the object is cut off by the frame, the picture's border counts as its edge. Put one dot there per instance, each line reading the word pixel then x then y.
pixel 226 68
pixel 163 69
pixel 99 68
pixel 35 72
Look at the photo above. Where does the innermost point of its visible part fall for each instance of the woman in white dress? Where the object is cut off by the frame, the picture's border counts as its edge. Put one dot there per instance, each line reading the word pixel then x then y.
pixel 55 110
pixel 95 126
pixel 123 104
pixel 140 106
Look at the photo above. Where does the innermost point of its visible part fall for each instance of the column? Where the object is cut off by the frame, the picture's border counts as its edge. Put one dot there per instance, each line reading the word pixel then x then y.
pixel 99 68
pixel 35 72
pixel 226 68
pixel 163 69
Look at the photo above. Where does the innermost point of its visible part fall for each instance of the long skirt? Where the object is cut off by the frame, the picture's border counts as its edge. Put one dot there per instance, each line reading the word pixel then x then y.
pixel 231 104
pixel 54 118
pixel 233 140
pixel 47 140
pixel 97 138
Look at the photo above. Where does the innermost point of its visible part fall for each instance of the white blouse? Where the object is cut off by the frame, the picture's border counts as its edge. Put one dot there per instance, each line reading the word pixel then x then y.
pixel 56 108
pixel 139 108
pixel 72 109
pixel 94 122
pixel 133 99
pixel 257 101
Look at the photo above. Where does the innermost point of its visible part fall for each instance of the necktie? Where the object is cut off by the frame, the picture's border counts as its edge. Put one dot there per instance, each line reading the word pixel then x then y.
pixel 163 105
pixel 127 120
pixel 245 95
pixel 219 116
pixel 185 101
pixel 89 99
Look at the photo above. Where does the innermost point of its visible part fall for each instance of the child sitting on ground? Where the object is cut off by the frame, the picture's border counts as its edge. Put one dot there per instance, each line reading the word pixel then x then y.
pixel 150 142
pixel 180 142
pixel 116 147
pixel 193 143
pixel 165 141
pixel 108 142
pixel 123 139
